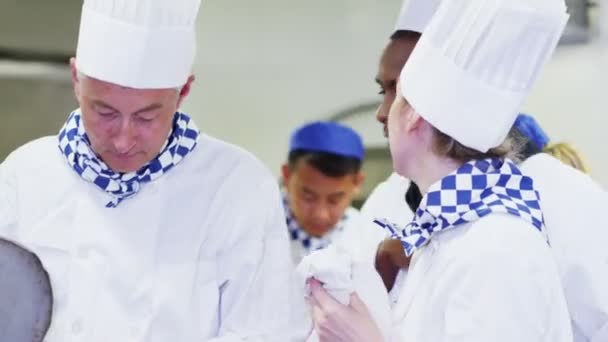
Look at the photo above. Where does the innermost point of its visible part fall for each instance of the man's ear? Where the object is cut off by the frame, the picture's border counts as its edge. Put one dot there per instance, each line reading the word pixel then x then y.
pixel 185 90
pixel 75 79
pixel 414 120
pixel 359 180
pixel 286 173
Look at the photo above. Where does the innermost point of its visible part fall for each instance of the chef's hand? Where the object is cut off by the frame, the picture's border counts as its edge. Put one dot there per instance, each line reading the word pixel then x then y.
pixel 335 322
pixel 390 258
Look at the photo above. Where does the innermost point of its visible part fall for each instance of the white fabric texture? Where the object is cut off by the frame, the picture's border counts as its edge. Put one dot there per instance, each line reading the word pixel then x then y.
pixel 8 200
pixel 141 44
pixel 162 266
pixel 470 285
pixel 472 68
pixel 332 267
pixel 415 15
pixel 341 274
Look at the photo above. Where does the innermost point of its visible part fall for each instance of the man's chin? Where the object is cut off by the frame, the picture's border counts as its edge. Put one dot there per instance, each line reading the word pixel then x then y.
pixel 318 231
pixel 125 166
pixel 125 169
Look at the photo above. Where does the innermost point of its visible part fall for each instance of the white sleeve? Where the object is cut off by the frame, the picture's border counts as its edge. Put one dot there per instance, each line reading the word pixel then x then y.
pixel 255 273
pixel 387 200
pixel 361 237
pixel 373 203
pixel 8 199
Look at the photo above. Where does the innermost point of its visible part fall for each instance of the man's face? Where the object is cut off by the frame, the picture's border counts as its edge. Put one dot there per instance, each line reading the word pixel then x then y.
pixel 127 127
pixel 317 201
pixel 392 61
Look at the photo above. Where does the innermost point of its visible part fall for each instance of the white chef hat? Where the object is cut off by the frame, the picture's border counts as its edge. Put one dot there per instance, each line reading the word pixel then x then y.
pixel 475 64
pixel 416 14
pixel 145 44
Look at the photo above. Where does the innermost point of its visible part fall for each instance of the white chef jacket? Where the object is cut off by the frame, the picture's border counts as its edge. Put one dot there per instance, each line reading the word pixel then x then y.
pixel 491 280
pixel 387 200
pixel 200 254
pixel 574 207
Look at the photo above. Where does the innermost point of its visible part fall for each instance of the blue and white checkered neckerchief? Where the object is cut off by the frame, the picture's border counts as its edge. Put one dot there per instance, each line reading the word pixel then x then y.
pixel 308 242
pixel 475 190
pixel 76 147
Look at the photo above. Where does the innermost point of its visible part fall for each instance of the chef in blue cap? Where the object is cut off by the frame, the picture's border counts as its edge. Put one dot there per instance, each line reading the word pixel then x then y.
pixel 537 141
pixel 321 176
pixel 535 137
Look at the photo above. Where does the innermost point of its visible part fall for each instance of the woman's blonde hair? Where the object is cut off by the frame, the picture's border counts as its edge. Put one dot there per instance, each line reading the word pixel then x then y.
pixel 446 146
pixel 567 154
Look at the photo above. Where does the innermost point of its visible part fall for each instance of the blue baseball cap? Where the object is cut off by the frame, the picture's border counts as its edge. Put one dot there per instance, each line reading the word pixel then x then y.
pixel 328 137
pixel 528 126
